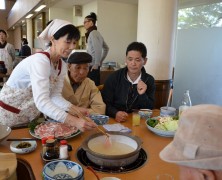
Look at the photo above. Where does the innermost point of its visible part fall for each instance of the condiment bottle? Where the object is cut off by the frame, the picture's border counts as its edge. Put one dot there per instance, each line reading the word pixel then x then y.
pixel 186 102
pixel 44 139
pixel 50 150
pixel 63 150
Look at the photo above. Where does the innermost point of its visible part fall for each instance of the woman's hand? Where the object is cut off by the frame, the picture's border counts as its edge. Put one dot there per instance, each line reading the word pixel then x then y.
pixel 121 116
pixel 81 124
pixel 82 110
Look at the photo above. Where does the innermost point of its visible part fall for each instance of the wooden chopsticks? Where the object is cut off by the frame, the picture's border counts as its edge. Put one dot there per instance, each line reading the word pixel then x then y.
pixel 22 139
pixel 80 115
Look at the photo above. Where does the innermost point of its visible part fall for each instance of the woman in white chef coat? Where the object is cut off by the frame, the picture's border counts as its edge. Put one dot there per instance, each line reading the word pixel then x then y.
pixel 36 83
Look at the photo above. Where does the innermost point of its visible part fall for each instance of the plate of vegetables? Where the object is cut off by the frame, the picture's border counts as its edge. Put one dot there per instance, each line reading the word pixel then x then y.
pixel 163 126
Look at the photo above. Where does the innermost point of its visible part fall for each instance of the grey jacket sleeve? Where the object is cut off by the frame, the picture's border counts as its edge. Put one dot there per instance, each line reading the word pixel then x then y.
pixel 105 52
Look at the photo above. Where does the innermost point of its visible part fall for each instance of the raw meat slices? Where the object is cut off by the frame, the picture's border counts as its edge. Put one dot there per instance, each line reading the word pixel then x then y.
pixel 56 129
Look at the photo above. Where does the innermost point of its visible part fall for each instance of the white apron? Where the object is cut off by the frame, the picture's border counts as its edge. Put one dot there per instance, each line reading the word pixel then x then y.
pixel 17 105
pixel 6 57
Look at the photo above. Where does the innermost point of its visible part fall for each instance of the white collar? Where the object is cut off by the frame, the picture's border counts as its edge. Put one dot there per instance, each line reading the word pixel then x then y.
pixel 136 81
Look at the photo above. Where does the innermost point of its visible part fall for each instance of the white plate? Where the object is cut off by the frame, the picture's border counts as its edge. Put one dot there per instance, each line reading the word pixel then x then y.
pixel 158 131
pixel 22 150
pixel 67 137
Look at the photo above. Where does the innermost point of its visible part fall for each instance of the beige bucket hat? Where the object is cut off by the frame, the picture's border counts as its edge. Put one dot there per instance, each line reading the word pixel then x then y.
pixel 197 142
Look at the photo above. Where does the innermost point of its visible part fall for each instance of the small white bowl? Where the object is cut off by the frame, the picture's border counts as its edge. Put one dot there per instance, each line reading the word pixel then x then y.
pixel 14 144
pixel 99 119
pixel 145 113
pixel 4 132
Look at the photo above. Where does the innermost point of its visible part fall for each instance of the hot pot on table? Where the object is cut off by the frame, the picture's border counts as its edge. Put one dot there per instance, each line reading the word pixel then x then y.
pixel 124 149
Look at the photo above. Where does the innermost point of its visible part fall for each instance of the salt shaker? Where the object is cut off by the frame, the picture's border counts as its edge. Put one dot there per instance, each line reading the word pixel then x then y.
pixel 63 150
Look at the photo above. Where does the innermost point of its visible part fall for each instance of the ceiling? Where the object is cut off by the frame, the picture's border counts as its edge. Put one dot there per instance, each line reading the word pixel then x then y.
pixel 70 3
pixel 182 3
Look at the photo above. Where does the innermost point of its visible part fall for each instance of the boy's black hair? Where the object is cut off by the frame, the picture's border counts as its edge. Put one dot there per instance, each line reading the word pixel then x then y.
pixel 137 46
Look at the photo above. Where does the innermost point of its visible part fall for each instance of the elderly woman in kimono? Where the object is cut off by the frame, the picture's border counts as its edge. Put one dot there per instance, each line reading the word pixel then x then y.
pixel 35 85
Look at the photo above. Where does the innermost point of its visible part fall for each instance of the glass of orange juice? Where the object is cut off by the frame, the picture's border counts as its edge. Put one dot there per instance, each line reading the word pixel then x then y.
pixel 135 118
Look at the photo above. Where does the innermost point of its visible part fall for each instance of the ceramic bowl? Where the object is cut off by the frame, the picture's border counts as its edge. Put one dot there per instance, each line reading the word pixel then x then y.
pixel 4 132
pixel 99 119
pixel 63 169
pixel 14 144
pixel 145 113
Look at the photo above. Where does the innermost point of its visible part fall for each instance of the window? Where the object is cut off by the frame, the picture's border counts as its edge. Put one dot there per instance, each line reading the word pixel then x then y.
pixel 2 4
pixel 39 23
pixel 24 30
pixel 200 16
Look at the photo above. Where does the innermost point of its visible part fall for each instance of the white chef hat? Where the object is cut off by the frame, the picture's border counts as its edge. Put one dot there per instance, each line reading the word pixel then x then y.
pixel 51 29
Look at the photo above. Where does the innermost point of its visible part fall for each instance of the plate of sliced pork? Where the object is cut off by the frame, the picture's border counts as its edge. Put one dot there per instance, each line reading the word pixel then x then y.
pixel 55 129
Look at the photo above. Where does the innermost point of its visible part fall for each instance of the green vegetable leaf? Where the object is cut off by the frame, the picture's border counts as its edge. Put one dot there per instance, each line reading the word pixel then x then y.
pixel 34 123
pixel 152 122
pixel 171 125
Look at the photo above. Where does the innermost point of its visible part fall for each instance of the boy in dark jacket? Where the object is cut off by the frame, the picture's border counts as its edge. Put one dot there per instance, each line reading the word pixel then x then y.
pixel 130 87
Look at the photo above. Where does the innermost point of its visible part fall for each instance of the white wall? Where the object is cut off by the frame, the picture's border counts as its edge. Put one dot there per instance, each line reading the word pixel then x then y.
pixel 198 66
pixel 59 13
pixel 86 9
pixel 156 29
pixel 117 22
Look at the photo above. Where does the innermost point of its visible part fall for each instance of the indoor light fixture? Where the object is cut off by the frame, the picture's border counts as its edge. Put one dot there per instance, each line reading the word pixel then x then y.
pixel 30 15
pixel 40 8
pixel 2 4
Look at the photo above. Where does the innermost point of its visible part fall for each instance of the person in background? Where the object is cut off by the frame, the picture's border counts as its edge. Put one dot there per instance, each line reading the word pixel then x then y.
pixel 7 51
pixel 197 146
pixel 25 49
pixel 80 90
pixel 130 87
pixel 36 83
pixel 96 47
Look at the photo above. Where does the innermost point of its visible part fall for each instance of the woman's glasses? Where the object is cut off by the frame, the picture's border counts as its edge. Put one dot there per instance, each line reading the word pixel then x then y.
pixel 86 21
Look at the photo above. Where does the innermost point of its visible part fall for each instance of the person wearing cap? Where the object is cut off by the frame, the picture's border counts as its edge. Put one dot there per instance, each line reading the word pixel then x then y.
pixel 80 90
pixel 96 47
pixel 130 87
pixel 36 83
pixel 7 51
pixel 197 146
